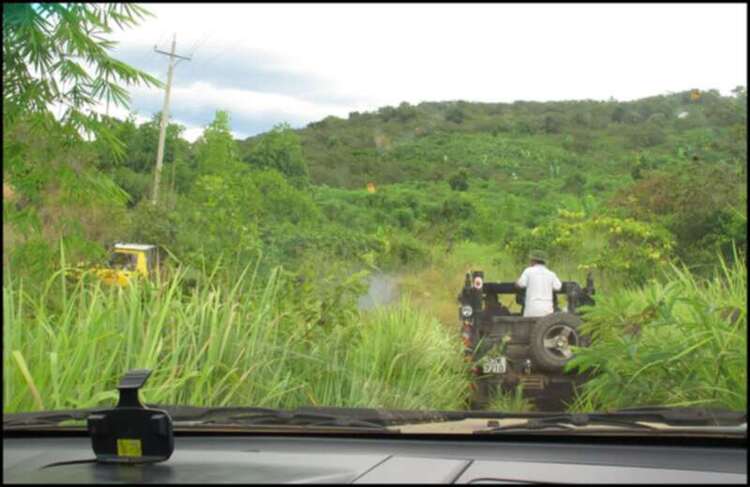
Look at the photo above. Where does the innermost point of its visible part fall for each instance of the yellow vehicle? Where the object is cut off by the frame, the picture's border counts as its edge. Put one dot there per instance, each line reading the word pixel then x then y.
pixel 129 261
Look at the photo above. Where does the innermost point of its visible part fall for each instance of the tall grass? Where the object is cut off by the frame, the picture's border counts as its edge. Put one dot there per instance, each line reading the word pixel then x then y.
pixel 265 339
pixel 511 402
pixel 678 343
pixel 248 344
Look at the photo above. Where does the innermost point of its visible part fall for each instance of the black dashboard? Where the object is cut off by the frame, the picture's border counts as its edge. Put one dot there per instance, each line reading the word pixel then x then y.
pixel 335 459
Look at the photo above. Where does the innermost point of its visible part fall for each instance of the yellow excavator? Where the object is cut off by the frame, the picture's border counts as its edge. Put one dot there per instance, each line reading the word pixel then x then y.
pixel 126 262
pixel 129 261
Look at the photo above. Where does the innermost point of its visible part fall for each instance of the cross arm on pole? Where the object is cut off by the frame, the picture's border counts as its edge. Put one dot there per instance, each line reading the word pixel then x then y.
pixel 172 55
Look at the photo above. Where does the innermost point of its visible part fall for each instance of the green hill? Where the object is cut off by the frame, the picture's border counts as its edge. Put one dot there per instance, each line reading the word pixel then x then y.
pixel 515 165
pixel 445 172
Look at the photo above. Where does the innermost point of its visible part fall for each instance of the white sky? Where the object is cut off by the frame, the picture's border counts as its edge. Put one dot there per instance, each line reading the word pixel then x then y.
pixel 268 63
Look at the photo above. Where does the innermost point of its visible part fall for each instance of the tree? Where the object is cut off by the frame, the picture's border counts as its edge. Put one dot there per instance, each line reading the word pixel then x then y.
pixel 455 115
pixel 216 149
pixel 45 46
pixel 387 113
pixel 140 142
pixel 618 114
pixel 281 149
pixel 405 112
pixel 552 123
pixel 579 141
pixel 126 132
pixel 645 135
pixel 56 55
pixel 694 203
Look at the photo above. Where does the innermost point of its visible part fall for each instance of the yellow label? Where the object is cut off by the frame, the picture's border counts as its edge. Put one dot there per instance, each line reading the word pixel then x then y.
pixel 129 448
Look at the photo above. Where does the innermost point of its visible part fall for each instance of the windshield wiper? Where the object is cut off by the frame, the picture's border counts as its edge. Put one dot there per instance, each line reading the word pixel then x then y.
pixel 48 418
pixel 686 416
pixel 569 422
pixel 251 416
pixel 381 419
pixel 631 418
pixel 190 416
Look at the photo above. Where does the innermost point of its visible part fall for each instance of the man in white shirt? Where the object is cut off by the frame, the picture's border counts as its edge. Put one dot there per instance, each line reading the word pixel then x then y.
pixel 539 283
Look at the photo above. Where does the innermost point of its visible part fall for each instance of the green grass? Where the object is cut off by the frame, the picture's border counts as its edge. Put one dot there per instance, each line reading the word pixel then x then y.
pixel 262 340
pixel 511 402
pixel 243 345
pixel 678 343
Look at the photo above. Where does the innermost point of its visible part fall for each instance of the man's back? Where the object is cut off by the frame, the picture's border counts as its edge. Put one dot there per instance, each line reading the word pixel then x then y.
pixel 539 282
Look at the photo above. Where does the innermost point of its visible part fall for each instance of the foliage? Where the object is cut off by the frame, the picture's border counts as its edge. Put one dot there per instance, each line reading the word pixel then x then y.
pixel 455 115
pixel 40 45
pixel 702 205
pixel 220 215
pixel 683 343
pixel 627 248
pixel 225 344
pixel 459 181
pixel 621 187
pixel 141 142
pixel 280 149
pixel 647 135
pixel 216 150
pixel 513 402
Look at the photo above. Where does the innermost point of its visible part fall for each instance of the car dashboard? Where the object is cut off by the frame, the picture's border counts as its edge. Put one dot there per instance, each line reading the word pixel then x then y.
pixel 336 459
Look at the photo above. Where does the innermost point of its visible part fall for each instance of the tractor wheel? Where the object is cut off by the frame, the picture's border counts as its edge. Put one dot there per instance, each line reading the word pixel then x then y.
pixel 551 338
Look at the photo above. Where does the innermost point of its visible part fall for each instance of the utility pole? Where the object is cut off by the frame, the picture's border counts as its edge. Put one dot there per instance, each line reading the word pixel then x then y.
pixel 164 115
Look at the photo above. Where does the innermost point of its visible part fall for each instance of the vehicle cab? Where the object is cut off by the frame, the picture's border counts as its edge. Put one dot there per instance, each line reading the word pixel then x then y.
pixel 129 261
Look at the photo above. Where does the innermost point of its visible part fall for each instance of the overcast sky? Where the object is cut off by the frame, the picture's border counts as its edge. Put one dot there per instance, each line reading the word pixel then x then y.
pixel 268 63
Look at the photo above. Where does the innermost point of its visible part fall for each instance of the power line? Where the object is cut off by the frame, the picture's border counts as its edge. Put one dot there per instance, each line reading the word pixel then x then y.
pixel 203 40
pixel 234 46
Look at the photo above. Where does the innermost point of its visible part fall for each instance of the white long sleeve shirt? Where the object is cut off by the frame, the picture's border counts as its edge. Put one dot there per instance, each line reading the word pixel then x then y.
pixel 539 283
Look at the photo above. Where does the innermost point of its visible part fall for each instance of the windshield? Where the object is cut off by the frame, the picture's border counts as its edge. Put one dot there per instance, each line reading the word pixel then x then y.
pixel 475 209
pixel 120 260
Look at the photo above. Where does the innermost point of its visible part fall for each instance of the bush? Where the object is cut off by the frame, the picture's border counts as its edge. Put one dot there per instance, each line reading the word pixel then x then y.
pixel 454 209
pixel 455 115
pixel 136 184
pixel 697 205
pixel 623 248
pixel 580 142
pixel 459 181
pixel 405 249
pixel 405 218
pixel 154 224
pixel 644 136
pixel 575 183
pixel 280 149
pixel 683 343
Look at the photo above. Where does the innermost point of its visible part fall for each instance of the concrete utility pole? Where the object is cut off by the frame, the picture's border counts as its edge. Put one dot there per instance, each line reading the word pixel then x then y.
pixel 164 116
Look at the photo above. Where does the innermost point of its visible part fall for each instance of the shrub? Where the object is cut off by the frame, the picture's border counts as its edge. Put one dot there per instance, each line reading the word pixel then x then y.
pixel 626 248
pixel 459 181
pixel 682 343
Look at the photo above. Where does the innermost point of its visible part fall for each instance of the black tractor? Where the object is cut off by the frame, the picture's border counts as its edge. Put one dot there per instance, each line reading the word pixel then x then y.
pixel 507 350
